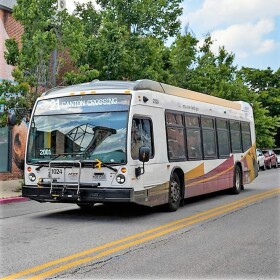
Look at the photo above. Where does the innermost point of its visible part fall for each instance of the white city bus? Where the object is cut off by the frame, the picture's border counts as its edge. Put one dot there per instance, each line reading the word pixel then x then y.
pixel 143 142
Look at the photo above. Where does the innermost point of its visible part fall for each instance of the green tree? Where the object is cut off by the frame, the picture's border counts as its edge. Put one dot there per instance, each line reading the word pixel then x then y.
pixel 183 55
pixel 266 126
pixel 213 73
pixel 90 17
pixel 47 35
pixel 14 97
pixel 85 74
pixel 117 53
pixel 265 85
pixel 157 18
pixel 202 70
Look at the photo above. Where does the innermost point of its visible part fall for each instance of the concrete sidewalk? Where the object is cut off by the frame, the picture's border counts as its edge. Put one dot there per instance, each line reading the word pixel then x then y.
pixel 10 191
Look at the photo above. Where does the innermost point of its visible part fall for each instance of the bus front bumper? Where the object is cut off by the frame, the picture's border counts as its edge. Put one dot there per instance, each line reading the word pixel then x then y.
pixel 71 195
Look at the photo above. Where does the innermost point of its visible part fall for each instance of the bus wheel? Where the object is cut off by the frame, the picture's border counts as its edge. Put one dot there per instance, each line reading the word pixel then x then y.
pixel 86 206
pixel 237 181
pixel 174 193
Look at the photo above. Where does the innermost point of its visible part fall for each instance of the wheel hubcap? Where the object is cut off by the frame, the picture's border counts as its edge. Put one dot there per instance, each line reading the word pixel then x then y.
pixel 237 180
pixel 175 191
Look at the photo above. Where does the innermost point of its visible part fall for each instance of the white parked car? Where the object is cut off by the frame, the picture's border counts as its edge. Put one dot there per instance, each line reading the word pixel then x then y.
pixel 277 152
pixel 261 159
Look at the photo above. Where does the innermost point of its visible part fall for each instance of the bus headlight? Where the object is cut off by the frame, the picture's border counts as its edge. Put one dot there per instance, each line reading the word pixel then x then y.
pixel 120 178
pixel 32 177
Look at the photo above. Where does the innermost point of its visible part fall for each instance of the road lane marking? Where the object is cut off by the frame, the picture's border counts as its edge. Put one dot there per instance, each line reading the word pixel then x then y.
pixel 142 240
pixel 142 237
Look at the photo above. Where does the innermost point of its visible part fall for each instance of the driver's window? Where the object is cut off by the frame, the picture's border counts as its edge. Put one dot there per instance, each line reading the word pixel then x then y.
pixel 141 135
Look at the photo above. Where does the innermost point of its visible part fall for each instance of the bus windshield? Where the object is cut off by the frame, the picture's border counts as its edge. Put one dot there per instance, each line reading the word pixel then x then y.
pixel 89 136
pixel 85 135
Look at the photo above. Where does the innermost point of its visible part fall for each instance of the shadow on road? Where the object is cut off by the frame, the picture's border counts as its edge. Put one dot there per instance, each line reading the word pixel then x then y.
pixel 123 211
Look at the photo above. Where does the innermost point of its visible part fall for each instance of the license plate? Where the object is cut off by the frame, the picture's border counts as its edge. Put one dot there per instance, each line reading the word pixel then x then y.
pixel 99 176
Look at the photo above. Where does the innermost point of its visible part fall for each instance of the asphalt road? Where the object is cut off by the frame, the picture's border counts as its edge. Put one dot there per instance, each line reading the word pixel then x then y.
pixel 215 236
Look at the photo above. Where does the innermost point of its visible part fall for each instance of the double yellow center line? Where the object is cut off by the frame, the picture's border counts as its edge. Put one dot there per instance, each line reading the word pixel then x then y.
pixel 93 254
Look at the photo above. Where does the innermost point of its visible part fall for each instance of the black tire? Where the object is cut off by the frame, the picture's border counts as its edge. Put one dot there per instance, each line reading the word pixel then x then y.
pixel 86 206
pixel 237 181
pixel 269 166
pixel 175 193
pixel 264 167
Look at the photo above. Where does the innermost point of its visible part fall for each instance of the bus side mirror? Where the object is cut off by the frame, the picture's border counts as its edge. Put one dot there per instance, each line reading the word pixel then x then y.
pixel 11 119
pixel 144 156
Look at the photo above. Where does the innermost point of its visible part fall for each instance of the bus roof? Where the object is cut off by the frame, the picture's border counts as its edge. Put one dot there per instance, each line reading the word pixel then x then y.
pixel 144 85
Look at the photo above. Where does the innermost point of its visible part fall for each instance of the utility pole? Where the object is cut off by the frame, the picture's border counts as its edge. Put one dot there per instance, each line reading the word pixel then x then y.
pixel 61 5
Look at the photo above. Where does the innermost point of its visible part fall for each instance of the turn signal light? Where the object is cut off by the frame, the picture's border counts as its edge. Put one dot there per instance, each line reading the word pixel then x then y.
pixel 29 169
pixel 123 170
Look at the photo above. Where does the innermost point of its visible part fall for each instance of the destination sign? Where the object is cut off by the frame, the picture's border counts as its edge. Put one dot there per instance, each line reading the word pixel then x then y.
pixel 83 104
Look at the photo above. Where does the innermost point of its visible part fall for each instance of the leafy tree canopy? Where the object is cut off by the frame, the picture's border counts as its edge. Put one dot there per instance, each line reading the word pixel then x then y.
pixel 14 97
pixel 47 34
pixel 125 40
pixel 157 18
pixel 84 75
pixel 199 69
pixel 266 86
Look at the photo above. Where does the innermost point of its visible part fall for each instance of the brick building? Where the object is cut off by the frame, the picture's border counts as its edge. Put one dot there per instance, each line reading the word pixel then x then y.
pixel 12 140
pixel 9 28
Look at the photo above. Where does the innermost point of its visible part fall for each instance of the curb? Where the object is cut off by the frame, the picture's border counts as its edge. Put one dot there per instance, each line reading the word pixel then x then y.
pixel 13 199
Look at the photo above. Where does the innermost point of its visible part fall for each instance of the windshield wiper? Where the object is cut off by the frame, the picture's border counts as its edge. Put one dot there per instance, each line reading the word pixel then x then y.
pixel 42 163
pixel 98 164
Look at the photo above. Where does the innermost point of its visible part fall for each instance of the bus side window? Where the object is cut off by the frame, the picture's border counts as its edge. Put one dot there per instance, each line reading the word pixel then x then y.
pixel 223 138
pixel 246 136
pixel 208 137
pixel 194 144
pixel 235 136
pixel 175 136
pixel 194 140
pixel 141 135
pixel 176 143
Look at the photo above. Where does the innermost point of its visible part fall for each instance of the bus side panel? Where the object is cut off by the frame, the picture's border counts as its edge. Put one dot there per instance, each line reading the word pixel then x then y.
pixel 192 186
pixel 194 190
pixel 249 164
pixel 225 171
pixel 201 182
